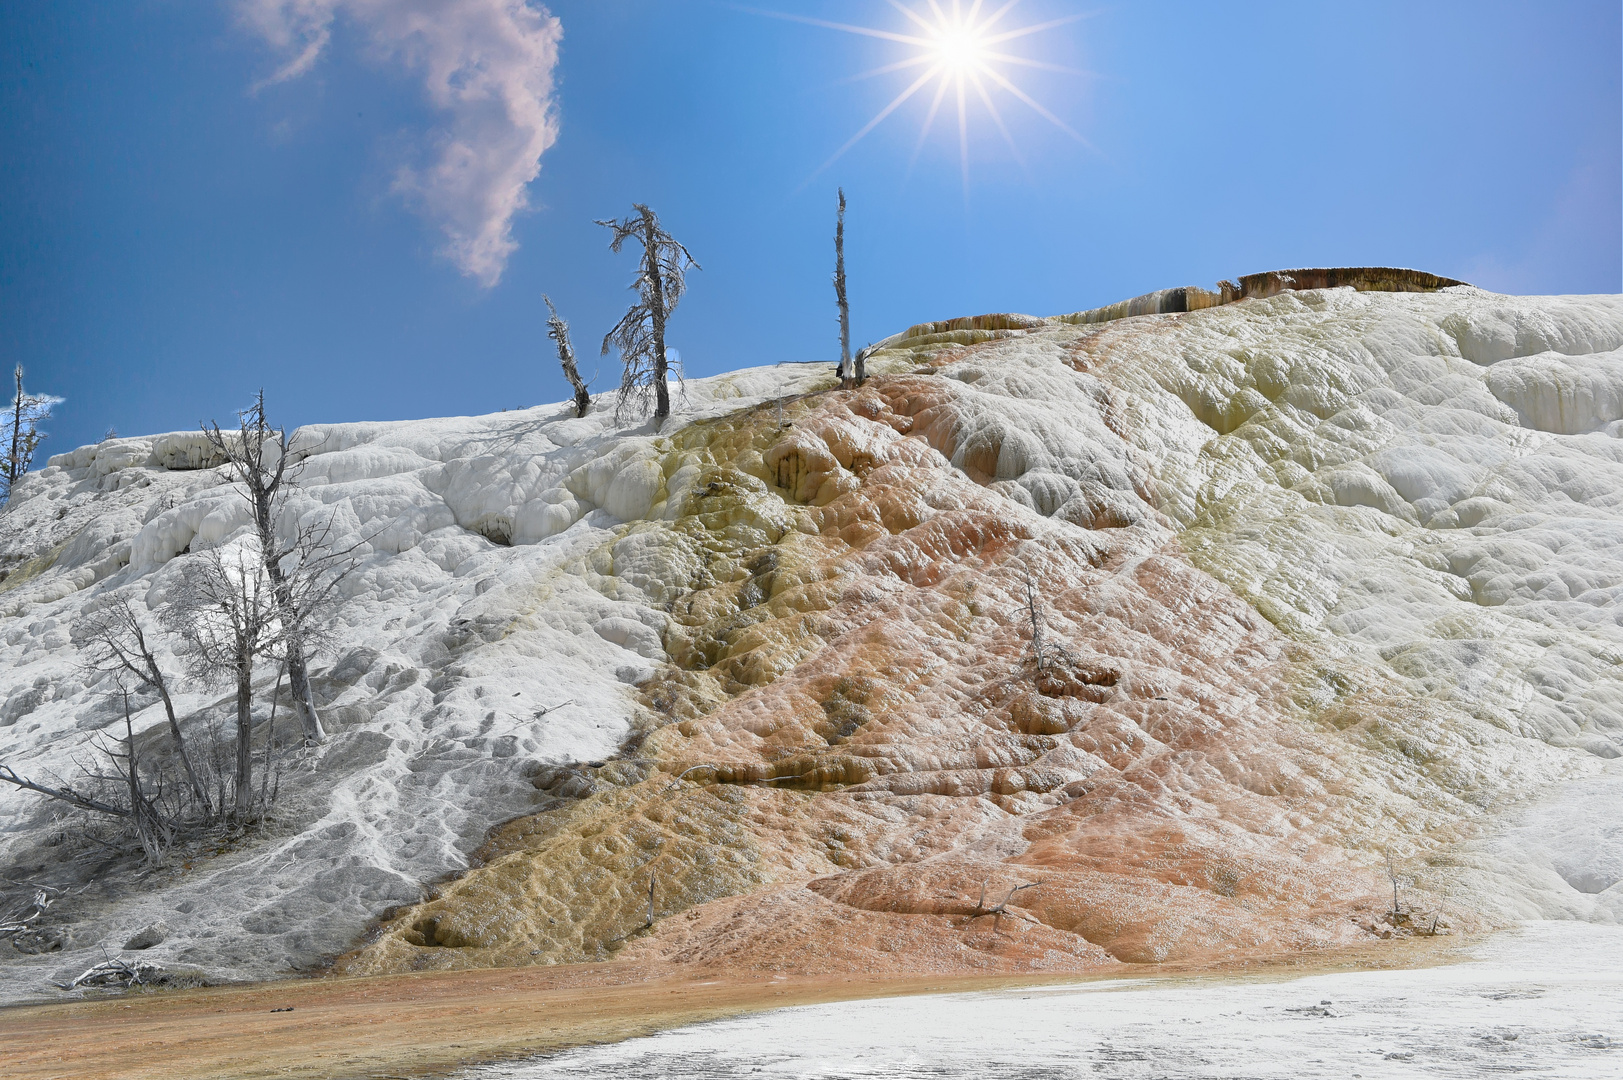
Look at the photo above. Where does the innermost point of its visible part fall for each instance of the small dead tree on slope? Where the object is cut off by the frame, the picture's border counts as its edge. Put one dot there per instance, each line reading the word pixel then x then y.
pixel 113 640
pixel 1045 652
pixel 129 795
pixel 640 333
pixel 23 435
pixel 1392 875
pixel 999 910
pixel 1034 616
pixel 226 615
pixel 259 456
pixel 848 378
pixel 558 331
pixel 152 827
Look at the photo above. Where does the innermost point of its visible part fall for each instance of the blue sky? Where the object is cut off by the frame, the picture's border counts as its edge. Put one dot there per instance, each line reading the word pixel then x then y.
pixel 178 227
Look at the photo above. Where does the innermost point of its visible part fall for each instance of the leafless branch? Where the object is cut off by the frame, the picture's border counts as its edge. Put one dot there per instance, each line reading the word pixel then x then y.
pixel 112 971
pixel 24 919
pixel 62 794
pixel 998 912
pixel 226 615
pixel 112 639
pixel 258 455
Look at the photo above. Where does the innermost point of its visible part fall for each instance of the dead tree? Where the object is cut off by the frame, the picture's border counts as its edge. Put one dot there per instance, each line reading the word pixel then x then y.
pixel 1034 616
pixel 136 806
pixel 848 378
pixel 63 793
pixel 558 331
pixel 259 456
pixel 1044 652
pixel 1392 876
pixel 226 615
pixel 640 333
pixel 27 410
pixel 114 972
pixel 998 911
pixel 22 920
pixel 151 828
pixel 113 640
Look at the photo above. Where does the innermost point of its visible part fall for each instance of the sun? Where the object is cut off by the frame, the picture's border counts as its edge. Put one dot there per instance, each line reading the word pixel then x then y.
pixel 959 44
pixel 958 49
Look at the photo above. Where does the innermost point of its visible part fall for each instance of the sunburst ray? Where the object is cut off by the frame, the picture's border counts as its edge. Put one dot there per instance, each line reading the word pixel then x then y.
pixel 929 120
pixel 958 42
pixel 895 103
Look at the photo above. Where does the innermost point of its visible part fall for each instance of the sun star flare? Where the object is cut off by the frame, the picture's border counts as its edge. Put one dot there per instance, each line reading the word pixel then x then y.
pixel 959 46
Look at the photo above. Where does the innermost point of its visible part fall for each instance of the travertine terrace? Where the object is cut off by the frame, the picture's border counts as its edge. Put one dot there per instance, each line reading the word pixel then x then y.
pixel 1321 576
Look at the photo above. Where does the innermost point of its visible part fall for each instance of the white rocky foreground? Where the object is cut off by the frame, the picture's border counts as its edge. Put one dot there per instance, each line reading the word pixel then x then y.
pixel 1434 481
pixel 1545 1000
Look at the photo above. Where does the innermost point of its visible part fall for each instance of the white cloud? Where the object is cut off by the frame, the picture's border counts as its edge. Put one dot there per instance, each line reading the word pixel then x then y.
pixel 486 65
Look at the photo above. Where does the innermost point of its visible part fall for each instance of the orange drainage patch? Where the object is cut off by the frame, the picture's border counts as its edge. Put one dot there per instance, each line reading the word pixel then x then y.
pixel 432 1024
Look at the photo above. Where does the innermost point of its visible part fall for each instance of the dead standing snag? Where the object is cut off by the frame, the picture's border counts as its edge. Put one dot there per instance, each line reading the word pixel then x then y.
pixel 558 331
pixel 151 828
pixel 1392 876
pixel 259 456
pixel 226 617
pixel 640 333
pixel 24 436
pixel 848 379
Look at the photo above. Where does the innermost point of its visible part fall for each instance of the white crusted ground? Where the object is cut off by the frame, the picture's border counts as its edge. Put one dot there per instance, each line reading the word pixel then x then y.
pixel 1432 481
pixel 1543 1001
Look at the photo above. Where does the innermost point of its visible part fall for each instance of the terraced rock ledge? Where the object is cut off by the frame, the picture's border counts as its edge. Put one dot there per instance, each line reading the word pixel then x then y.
pixel 1132 637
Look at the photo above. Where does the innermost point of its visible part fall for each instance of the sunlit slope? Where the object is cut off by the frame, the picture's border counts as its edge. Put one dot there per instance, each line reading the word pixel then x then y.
pixel 1323 576
pixel 1326 589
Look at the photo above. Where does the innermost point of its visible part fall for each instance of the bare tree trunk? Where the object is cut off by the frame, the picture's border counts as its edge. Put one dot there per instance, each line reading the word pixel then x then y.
pixel 198 790
pixel 846 380
pixel 640 333
pixel 558 331
pixel 263 483
pixel 1034 613
pixel 157 681
pixel 650 253
pixel 298 679
pixel 16 433
pixel 149 826
pixel 298 685
pixel 245 732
